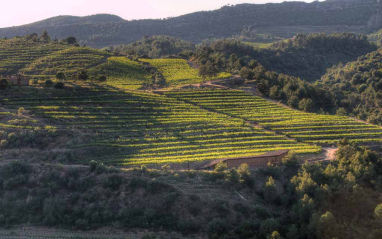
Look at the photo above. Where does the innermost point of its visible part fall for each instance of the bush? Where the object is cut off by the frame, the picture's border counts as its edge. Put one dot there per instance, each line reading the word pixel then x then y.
pixel 59 85
pixel 93 165
pixel 188 227
pixel 221 166
pixel 291 160
pixel 270 190
pixel 217 228
pixel 15 182
pixel 4 143
pixel 82 224
pixel 4 84
pixel 155 186
pixel 113 182
pixel 378 211
pixel 48 83
pixel 269 226
pixel 35 82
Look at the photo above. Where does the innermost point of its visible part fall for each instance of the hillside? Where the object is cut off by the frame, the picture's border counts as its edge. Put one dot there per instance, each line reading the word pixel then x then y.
pixel 17 53
pixel 358 86
pixel 70 61
pixel 303 56
pixel 283 20
pixel 154 47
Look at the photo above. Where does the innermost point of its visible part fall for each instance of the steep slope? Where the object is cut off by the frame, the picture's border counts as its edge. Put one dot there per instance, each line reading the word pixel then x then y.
pixel 70 61
pixel 17 53
pixel 283 19
pixel 304 56
pixel 358 85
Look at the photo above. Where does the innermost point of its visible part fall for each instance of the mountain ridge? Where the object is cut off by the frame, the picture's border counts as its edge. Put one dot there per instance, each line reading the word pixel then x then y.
pixel 296 17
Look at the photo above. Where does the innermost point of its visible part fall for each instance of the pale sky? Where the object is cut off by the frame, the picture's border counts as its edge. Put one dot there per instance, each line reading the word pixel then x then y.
pixel 19 12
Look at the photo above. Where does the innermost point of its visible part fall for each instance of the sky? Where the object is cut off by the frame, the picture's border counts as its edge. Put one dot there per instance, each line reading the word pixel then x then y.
pixel 19 12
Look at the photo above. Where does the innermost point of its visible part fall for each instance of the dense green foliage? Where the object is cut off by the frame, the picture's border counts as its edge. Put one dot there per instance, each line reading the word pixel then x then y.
pixel 318 201
pixel 154 47
pixel 357 86
pixel 277 19
pixel 304 56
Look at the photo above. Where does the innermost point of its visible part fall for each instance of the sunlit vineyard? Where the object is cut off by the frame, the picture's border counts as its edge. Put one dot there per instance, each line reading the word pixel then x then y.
pixel 144 128
pixel 304 127
pixel 17 53
pixel 123 73
pixel 69 61
pixel 178 71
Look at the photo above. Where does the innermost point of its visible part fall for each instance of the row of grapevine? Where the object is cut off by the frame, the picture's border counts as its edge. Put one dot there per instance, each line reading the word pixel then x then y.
pixel 304 127
pixel 149 129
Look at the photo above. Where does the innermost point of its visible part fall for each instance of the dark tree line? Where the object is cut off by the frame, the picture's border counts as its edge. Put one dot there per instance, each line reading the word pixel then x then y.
pixel 154 47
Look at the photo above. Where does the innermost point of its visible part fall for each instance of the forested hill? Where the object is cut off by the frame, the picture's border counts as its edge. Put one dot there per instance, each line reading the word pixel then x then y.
pixel 284 19
pixel 358 86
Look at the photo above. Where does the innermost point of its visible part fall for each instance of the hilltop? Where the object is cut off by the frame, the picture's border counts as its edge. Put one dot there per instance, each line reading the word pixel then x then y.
pixel 284 20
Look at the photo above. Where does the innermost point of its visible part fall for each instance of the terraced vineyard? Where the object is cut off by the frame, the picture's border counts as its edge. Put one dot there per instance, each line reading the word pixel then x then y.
pixel 140 128
pixel 178 71
pixel 17 53
pixel 304 127
pixel 123 73
pixel 70 61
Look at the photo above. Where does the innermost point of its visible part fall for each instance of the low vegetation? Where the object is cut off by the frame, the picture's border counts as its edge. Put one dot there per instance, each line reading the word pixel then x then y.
pixel 315 201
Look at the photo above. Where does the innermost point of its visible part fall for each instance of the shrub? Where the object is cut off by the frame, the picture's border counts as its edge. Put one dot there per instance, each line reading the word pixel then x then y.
pixel 137 183
pixel 291 160
pixel 217 228
pixel 59 85
pixel 221 208
pixel 4 84
pixel 155 186
pixel 270 190
pixel 269 226
pixel 35 82
pixel 233 176
pixel 3 143
pixel 15 182
pixel 221 166
pixel 378 211
pixel 82 224
pixel 113 182
pixel 93 165
pixel 48 83
pixel 188 227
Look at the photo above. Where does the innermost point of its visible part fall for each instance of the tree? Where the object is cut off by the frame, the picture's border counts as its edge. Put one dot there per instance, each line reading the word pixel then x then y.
pixel 207 70
pixel 291 160
pixel 270 190
pixel 306 105
pixel 327 226
pixel 341 112
pixel 245 174
pixel 83 75
pixel 71 40
pixel 60 76
pixel 45 37
pixel 274 92
pixel 221 166
pixel 246 73
pixel 293 101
